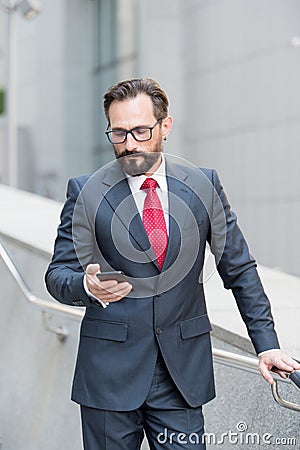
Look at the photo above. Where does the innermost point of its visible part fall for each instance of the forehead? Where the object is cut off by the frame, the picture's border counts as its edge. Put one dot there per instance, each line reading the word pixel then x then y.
pixel 131 112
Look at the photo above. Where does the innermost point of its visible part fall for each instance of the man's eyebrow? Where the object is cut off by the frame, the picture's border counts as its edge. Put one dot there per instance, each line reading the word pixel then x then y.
pixel 126 129
pixel 118 129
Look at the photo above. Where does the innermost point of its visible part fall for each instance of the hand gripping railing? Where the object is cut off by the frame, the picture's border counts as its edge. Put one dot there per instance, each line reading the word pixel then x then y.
pixel 251 365
pixel 220 356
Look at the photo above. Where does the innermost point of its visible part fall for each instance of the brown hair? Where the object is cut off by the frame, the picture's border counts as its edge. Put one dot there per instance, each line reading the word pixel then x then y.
pixel 129 89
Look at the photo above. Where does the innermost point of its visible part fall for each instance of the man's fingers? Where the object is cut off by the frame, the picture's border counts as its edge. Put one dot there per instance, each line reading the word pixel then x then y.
pixel 266 374
pixel 107 291
pixel 92 269
pixel 282 362
pixel 112 290
pixel 115 296
pixel 278 362
pixel 279 372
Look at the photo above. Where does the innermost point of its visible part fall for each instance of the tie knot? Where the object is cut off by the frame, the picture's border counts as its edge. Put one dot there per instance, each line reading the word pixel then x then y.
pixel 149 183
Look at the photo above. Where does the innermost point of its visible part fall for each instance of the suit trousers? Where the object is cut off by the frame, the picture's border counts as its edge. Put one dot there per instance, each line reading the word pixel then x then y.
pixel 165 418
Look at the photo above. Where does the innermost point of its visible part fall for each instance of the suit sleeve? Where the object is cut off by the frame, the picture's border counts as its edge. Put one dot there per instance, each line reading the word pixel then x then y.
pixel 237 269
pixel 64 276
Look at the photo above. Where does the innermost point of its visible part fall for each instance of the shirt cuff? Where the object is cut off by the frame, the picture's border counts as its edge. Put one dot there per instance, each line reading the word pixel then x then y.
pixel 270 350
pixel 96 299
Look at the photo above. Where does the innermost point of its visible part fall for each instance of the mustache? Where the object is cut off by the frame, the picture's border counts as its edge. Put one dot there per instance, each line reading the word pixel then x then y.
pixel 128 153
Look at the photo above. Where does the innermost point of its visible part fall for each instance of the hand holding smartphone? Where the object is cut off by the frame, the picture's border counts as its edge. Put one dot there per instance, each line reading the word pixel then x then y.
pixel 119 276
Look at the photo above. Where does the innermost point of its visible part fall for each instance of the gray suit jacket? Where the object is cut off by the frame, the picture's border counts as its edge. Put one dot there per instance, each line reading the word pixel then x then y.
pixel 166 310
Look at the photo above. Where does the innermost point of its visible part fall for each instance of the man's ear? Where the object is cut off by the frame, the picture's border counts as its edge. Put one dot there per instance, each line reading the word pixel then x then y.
pixel 166 127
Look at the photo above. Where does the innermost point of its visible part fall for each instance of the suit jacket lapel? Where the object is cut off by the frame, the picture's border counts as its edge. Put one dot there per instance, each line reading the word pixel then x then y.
pixel 179 196
pixel 124 207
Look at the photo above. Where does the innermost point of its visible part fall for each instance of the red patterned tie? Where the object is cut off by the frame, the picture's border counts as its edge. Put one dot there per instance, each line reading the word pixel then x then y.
pixel 154 221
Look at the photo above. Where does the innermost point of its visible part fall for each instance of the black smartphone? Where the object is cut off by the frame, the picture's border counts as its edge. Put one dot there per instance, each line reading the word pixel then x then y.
pixel 119 276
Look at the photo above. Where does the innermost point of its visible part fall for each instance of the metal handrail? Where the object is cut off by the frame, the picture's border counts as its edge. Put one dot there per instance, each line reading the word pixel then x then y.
pixel 220 356
pixel 281 401
pixel 241 362
pixel 251 365
pixel 32 298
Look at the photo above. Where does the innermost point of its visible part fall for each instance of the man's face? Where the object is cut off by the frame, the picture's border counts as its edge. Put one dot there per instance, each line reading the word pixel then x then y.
pixel 136 157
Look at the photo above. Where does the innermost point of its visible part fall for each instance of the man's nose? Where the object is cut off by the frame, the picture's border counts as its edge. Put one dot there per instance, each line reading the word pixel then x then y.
pixel 131 143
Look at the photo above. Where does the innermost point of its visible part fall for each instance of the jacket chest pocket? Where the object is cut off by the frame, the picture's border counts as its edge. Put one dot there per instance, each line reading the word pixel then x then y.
pixel 195 327
pixel 100 329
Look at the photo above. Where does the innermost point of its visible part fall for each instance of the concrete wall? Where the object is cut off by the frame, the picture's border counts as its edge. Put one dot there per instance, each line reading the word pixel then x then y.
pixel 54 65
pixel 241 82
pixel 2 85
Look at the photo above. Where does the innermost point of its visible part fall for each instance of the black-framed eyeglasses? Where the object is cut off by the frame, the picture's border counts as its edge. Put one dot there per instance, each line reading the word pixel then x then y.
pixel 140 134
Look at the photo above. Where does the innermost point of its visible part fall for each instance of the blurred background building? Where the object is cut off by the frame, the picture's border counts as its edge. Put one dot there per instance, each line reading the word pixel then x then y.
pixel 230 67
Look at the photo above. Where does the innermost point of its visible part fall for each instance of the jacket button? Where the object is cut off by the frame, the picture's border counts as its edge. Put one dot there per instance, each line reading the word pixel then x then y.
pixel 158 330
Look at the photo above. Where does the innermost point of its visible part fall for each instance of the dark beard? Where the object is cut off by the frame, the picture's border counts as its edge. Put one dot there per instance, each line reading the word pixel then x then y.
pixel 134 166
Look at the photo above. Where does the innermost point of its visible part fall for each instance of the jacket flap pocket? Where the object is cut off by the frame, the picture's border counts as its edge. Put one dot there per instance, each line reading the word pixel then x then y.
pixel 195 326
pixel 113 331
